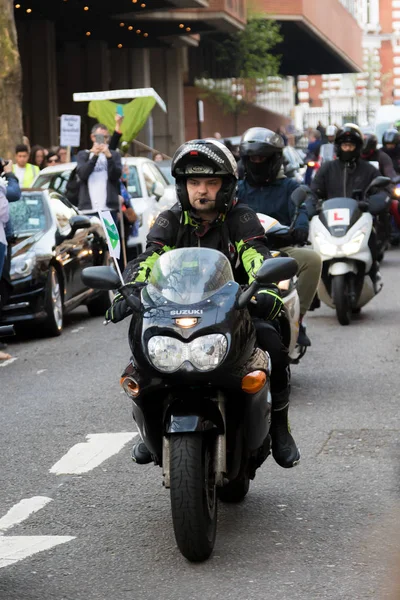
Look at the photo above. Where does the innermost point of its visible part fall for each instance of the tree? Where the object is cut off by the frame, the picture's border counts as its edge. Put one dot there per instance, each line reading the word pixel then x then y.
pixel 10 82
pixel 247 56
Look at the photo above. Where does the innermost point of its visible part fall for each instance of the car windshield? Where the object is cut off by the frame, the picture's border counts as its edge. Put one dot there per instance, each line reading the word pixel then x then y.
pixel 130 176
pixel 165 168
pixel 188 275
pixel 29 214
pixel 56 181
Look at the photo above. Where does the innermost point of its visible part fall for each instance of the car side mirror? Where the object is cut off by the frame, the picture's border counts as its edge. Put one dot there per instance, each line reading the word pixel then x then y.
pixel 79 222
pixel 157 190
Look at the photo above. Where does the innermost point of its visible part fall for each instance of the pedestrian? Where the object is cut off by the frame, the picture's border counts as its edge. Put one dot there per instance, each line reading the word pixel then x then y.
pixel 158 157
pixel 313 149
pixel 53 158
pixel 99 170
pixel 24 171
pixel 62 154
pixel 37 156
pixel 4 218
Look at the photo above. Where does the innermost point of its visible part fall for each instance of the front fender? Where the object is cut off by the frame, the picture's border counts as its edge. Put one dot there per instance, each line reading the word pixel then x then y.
pixel 192 417
pixel 341 268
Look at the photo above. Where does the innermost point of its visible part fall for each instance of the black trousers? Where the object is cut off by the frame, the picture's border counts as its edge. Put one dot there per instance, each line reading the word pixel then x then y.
pixel 269 339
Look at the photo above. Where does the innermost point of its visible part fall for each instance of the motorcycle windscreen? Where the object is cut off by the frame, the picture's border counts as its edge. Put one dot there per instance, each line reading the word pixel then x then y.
pixel 188 275
pixel 339 214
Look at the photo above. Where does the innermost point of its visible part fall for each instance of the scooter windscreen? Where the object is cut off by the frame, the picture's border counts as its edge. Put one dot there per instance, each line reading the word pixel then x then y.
pixel 339 214
pixel 189 275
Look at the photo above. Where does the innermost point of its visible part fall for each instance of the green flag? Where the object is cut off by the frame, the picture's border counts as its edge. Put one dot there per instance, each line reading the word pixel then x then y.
pixel 113 241
pixel 136 114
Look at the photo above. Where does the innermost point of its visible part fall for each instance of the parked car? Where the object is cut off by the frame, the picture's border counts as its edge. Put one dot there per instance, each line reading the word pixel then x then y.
pixel 149 189
pixel 53 244
pixel 165 168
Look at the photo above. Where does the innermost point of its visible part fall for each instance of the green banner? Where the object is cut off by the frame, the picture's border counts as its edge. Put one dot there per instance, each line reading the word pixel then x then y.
pixel 136 114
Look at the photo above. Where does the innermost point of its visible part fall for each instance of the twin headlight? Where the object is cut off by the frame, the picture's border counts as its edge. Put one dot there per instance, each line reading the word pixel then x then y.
pixel 328 249
pixel 22 266
pixel 205 353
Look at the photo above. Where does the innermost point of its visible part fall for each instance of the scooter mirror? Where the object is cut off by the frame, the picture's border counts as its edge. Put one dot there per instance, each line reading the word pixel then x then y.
pixel 299 195
pixel 278 269
pixel 101 278
pixel 379 182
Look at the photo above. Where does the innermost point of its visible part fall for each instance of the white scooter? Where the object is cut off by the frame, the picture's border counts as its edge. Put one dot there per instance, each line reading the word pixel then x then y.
pixel 290 321
pixel 340 233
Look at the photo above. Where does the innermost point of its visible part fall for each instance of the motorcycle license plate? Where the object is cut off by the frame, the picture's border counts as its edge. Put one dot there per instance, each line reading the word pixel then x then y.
pixel 338 216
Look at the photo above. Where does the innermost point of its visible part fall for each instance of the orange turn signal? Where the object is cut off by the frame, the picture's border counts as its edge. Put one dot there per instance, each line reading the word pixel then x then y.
pixel 253 382
pixel 130 386
pixel 311 164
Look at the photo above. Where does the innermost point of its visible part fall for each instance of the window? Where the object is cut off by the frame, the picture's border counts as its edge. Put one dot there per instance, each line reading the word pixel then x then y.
pixel 29 214
pixel 149 177
pixel 55 181
pixel 131 176
pixel 158 175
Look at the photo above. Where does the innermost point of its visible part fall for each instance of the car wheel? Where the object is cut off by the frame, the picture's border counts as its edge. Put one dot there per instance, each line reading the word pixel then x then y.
pixel 53 324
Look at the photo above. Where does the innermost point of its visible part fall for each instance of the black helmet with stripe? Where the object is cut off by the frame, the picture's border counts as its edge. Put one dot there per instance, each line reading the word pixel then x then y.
pixel 205 158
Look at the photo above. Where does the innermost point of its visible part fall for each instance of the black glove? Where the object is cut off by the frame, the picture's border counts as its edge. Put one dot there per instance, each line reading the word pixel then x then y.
pixel 119 308
pixel 267 303
pixel 300 236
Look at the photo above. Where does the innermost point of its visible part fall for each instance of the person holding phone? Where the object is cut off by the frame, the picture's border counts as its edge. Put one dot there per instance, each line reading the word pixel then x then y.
pixel 99 170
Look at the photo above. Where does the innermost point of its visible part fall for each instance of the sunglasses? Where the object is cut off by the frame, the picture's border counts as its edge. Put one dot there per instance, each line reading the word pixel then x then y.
pixel 53 160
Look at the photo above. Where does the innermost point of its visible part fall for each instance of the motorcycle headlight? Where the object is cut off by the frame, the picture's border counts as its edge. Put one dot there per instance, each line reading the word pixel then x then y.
pixel 397 192
pixel 354 245
pixel 325 247
pixel 204 353
pixel 22 265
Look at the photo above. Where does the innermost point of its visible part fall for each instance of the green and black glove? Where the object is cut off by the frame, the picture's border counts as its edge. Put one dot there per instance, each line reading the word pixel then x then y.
pixel 119 308
pixel 267 303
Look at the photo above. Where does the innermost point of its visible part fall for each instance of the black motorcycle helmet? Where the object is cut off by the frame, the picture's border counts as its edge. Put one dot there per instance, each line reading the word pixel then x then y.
pixel 391 136
pixel 259 141
pixel 349 133
pixel 205 158
pixel 370 145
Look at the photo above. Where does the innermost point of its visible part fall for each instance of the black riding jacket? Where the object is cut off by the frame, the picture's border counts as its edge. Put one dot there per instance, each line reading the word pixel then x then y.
pixel 238 235
pixel 336 179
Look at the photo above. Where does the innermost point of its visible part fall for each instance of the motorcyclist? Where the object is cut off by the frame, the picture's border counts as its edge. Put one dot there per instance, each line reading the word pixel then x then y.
pixel 327 151
pixel 207 215
pixel 341 177
pixel 371 153
pixel 391 146
pixel 266 190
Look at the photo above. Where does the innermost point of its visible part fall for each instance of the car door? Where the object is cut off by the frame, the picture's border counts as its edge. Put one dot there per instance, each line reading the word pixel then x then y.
pixel 75 253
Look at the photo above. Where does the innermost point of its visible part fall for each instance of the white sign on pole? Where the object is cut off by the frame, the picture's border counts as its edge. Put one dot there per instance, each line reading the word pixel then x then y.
pixel 119 94
pixel 70 130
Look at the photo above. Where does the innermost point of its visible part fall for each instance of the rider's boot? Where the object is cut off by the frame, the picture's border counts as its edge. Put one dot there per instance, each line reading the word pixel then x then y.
pixel 376 277
pixel 284 449
pixel 303 339
pixel 140 454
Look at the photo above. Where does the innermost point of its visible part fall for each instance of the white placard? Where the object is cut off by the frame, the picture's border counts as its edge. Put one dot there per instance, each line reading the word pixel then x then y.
pixel 338 216
pixel 70 130
pixel 120 94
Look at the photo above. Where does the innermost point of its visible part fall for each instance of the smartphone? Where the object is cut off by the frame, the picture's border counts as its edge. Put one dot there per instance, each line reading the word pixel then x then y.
pixel 120 110
pixel 99 137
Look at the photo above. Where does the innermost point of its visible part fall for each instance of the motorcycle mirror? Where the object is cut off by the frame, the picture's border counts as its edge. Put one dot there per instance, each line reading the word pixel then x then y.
pixel 101 278
pixel 363 206
pixel 299 195
pixel 278 269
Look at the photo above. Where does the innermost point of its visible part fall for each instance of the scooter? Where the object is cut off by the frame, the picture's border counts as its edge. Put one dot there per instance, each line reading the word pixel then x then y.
pixel 278 236
pixel 198 382
pixel 340 233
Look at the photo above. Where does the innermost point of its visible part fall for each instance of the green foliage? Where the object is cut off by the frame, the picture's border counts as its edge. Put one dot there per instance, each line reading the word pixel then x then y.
pixel 249 51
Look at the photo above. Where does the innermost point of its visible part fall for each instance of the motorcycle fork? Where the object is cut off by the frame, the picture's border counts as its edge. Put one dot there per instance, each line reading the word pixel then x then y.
pixel 220 468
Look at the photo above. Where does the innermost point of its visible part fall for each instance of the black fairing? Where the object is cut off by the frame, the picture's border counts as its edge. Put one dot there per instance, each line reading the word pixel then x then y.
pixel 339 203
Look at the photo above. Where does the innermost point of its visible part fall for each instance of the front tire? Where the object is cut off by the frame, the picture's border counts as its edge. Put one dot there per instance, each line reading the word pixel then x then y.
pixel 340 295
pixel 53 324
pixel 193 494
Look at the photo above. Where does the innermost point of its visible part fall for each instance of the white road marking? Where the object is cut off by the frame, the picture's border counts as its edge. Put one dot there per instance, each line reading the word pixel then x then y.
pixel 16 548
pixel 86 456
pixel 40 371
pixel 77 329
pixel 8 361
pixel 21 511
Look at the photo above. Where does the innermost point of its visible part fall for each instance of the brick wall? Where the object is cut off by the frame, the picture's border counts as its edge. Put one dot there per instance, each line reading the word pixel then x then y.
pixel 216 120
pixel 387 83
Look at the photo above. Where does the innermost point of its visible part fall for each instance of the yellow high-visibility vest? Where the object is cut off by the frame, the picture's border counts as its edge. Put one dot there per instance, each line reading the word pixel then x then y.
pixel 30 173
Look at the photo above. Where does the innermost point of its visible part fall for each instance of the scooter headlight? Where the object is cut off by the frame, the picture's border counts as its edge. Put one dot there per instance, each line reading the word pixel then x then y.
pixel 354 245
pixel 205 353
pixel 325 247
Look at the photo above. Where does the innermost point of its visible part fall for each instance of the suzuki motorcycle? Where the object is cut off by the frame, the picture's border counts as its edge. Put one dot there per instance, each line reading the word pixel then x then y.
pixel 340 233
pixel 198 382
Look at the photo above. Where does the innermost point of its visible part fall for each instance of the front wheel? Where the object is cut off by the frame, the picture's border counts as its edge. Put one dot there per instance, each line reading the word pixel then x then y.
pixel 341 298
pixel 53 324
pixel 193 494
